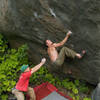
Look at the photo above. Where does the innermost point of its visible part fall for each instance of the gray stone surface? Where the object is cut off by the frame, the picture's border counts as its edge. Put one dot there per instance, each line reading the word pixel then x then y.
pixel 33 21
pixel 96 93
pixel 54 96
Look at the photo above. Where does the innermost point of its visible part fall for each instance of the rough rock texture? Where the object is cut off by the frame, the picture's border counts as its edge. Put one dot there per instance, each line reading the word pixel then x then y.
pixel 34 21
pixel 96 93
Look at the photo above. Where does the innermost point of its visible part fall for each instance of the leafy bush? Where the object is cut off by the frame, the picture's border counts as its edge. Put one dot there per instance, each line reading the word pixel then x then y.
pixel 83 88
pixel 87 98
pixel 10 66
pixel 3 47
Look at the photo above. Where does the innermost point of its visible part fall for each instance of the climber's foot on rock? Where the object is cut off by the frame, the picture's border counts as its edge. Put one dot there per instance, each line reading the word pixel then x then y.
pixel 81 55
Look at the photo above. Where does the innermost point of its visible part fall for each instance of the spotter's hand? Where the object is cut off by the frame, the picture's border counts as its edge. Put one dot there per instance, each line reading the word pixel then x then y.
pixel 69 33
pixel 43 60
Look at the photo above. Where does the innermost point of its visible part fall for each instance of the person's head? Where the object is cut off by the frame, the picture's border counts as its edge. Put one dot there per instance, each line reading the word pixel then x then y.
pixel 25 68
pixel 48 42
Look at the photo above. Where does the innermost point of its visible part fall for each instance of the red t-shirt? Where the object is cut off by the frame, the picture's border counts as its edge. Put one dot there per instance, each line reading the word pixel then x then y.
pixel 23 81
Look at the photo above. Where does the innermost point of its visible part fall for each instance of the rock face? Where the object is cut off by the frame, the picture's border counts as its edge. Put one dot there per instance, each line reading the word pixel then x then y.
pixel 34 21
pixel 96 93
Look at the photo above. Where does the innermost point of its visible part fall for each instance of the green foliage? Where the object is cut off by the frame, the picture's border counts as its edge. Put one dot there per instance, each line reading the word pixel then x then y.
pixel 77 82
pixel 4 97
pixel 3 47
pixel 77 97
pixel 10 66
pixel 83 88
pixel 3 44
pixel 86 98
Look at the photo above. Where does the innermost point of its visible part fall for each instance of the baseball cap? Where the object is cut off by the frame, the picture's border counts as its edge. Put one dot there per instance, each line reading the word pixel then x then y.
pixel 24 67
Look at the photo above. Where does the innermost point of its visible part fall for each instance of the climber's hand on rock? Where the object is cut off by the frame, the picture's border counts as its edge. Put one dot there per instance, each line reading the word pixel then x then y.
pixel 69 33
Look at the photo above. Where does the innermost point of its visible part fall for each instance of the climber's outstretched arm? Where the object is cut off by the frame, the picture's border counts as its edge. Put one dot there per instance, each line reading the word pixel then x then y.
pixel 38 66
pixel 63 41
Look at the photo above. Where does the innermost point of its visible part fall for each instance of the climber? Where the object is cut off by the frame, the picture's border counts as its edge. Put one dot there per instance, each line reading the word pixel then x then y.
pixel 22 85
pixel 58 59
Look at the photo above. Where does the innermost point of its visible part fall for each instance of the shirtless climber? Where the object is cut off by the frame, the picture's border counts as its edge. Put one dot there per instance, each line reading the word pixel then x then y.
pixel 58 58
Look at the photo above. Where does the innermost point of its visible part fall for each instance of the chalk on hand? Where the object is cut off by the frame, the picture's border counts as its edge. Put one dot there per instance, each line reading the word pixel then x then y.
pixel 69 33
pixel 35 14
